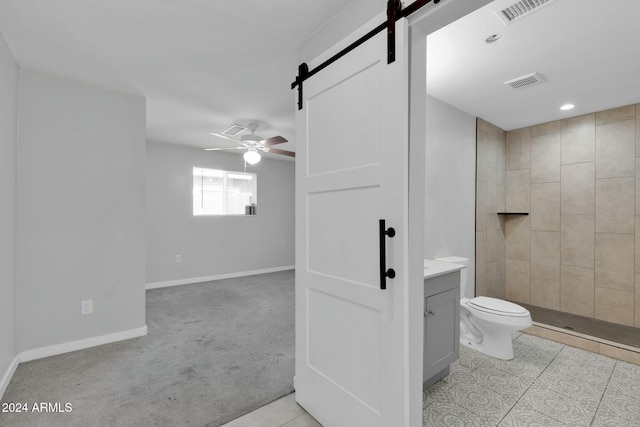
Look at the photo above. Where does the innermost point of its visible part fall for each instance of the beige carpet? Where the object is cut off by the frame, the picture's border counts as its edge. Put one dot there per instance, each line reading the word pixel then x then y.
pixel 215 351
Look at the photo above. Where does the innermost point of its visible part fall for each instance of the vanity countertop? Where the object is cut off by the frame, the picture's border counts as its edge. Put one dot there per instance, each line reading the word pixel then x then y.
pixel 439 268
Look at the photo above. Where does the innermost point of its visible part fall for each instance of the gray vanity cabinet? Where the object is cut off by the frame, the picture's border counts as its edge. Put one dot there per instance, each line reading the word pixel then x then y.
pixel 441 325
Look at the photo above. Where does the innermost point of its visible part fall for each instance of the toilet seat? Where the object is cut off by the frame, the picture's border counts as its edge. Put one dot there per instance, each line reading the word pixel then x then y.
pixel 497 307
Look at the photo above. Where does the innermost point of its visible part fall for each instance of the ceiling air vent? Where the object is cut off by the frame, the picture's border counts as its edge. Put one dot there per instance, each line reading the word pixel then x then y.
pixel 234 130
pixel 525 81
pixel 518 9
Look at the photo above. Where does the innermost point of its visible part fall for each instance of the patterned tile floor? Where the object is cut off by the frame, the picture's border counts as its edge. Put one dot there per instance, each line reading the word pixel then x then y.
pixel 546 384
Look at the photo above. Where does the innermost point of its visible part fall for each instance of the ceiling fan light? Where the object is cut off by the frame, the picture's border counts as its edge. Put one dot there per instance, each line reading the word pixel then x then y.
pixel 252 157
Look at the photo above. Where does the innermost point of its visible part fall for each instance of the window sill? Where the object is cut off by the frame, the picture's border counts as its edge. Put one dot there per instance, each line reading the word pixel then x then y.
pixel 222 215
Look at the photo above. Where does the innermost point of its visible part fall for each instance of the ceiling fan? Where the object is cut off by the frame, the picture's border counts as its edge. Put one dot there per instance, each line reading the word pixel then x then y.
pixel 252 143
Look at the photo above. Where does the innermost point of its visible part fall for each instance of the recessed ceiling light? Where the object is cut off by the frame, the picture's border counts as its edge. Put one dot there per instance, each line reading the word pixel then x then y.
pixel 493 38
pixel 566 107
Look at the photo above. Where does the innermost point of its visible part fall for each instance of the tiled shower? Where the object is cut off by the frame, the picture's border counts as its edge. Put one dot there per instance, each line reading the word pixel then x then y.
pixel 578 179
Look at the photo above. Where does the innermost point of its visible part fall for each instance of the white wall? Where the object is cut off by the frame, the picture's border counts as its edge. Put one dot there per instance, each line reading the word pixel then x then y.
pixel 8 112
pixel 450 184
pixel 81 201
pixel 354 15
pixel 214 245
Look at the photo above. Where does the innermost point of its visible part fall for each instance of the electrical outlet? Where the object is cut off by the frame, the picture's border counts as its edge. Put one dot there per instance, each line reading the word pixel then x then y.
pixel 86 306
pixel 179 258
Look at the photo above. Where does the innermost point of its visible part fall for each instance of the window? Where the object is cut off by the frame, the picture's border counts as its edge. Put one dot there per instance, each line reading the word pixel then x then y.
pixel 218 192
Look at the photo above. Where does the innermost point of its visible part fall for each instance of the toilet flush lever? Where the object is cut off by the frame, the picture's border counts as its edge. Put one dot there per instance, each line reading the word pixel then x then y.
pixel 384 272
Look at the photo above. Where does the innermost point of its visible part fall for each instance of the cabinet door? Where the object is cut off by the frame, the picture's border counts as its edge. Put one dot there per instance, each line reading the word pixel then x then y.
pixel 442 329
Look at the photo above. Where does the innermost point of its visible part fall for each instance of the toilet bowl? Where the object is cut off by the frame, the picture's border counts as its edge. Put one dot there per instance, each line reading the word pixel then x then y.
pixel 486 323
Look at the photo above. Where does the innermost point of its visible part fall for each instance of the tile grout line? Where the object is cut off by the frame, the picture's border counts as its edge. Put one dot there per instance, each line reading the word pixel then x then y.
pixel 480 385
pixel 585 337
pixel 532 383
pixel 603 393
pixel 454 402
pixel 555 354
pixel 294 418
pixel 509 373
pixel 574 360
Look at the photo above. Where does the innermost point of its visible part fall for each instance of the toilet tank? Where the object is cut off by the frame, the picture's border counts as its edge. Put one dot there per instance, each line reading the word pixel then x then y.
pixel 466 290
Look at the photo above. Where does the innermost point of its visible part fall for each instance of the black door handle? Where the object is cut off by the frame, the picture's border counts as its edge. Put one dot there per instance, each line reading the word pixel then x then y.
pixel 384 273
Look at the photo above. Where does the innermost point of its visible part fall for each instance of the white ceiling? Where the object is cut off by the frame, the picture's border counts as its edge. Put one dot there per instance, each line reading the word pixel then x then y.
pixel 588 52
pixel 205 64
pixel 202 64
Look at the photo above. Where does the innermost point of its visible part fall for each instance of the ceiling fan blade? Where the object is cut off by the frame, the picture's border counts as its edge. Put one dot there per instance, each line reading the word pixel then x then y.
pixel 273 141
pixel 283 152
pixel 224 148
pixel 219 135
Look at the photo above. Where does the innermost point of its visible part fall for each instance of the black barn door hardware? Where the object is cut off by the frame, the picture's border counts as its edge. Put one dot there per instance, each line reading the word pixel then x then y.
pixel 393 8
pixel 303 74
pixel 394 13
pixel 384 273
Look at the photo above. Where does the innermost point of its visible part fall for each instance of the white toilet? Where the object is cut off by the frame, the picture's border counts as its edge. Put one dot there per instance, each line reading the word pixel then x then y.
pixel 486 323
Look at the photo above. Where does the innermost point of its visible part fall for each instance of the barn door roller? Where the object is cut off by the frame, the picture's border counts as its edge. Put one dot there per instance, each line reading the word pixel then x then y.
pixel 394 12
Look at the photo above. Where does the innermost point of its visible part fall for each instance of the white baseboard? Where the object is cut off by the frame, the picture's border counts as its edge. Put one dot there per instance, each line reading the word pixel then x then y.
pixel 191 280
pixel 6 378
pixel 53 350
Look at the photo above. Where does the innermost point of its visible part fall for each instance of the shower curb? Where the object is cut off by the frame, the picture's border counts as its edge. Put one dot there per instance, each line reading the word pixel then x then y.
pixel 590 343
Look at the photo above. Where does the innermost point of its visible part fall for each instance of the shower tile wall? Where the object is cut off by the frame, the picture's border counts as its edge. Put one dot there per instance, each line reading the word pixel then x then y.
pixel 490 198
pixel 579 179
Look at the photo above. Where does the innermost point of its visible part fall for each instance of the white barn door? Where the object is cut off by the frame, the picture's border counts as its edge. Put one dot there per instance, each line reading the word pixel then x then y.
pixel 352 171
